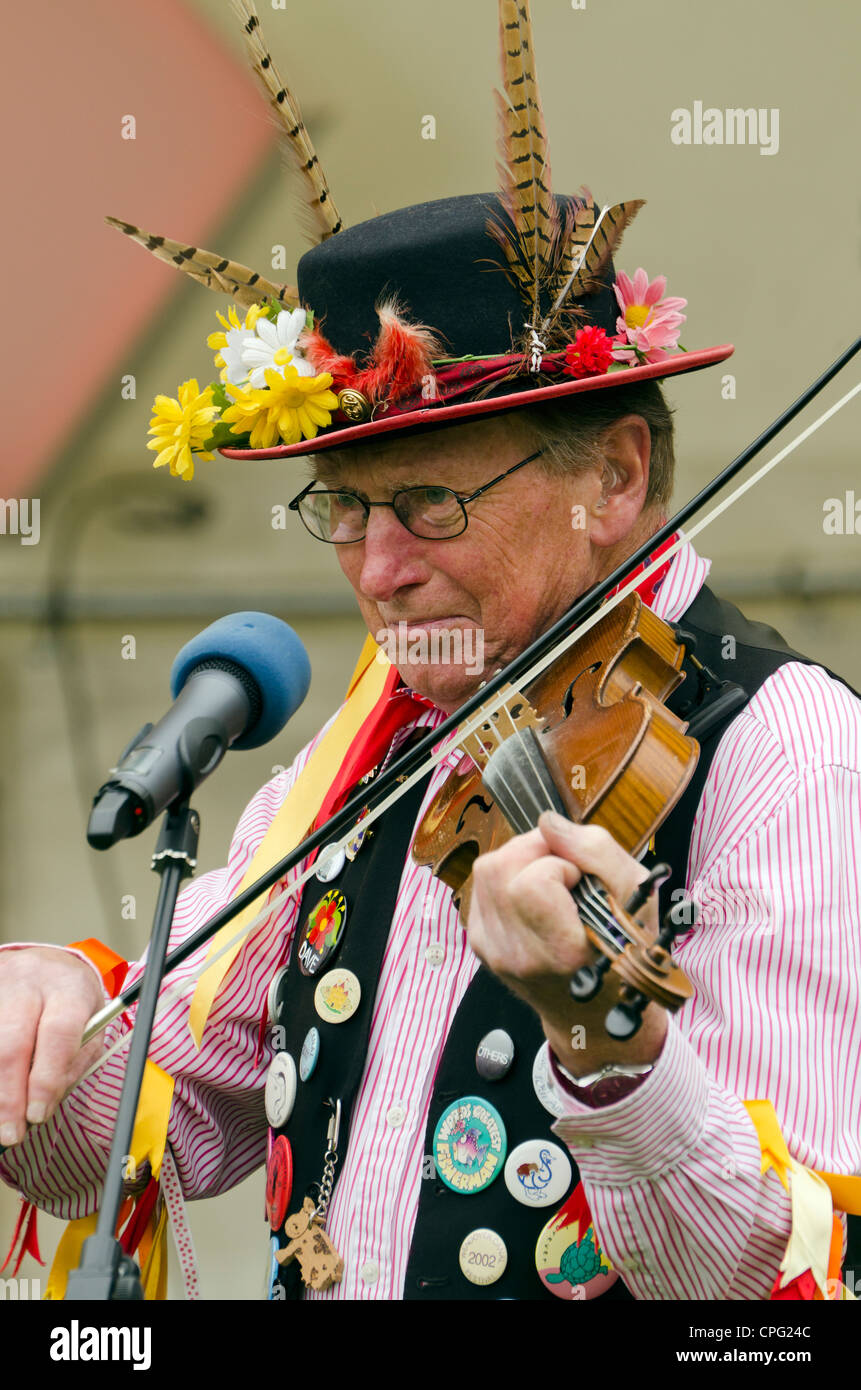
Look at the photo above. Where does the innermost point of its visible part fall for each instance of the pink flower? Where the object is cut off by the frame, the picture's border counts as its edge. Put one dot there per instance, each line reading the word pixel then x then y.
pixel 648 323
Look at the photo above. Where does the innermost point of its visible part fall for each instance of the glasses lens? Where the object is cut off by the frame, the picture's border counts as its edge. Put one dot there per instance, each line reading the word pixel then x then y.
pixel 430 511
pixel 337 517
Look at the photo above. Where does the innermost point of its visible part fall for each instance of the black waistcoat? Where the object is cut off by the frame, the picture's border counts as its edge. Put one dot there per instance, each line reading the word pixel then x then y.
pixel 370 886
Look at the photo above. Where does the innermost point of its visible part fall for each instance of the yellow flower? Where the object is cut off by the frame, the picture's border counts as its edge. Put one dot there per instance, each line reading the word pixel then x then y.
pixel 235 330
pixel 293 407
pixel 181 427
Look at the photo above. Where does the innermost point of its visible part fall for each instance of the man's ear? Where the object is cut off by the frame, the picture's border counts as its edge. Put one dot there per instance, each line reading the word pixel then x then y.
pixel 627 447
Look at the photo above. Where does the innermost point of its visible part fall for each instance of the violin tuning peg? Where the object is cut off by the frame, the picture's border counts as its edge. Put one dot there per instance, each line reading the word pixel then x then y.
pixel 586 982
pixel 624 1019
pixel 643 891
pixel 679 918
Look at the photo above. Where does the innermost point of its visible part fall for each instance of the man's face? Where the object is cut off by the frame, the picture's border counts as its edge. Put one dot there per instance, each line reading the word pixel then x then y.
pixel 451 612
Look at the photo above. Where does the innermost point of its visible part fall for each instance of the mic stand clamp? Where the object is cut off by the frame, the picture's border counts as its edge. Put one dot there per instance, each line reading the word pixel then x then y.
pixel 105 1272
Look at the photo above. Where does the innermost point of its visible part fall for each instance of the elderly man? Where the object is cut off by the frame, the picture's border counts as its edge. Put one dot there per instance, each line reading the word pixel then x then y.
pixel 477 389
pixel 670 1163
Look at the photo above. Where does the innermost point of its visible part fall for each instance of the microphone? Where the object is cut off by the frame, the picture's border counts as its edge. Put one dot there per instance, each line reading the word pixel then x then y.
pixel 235 685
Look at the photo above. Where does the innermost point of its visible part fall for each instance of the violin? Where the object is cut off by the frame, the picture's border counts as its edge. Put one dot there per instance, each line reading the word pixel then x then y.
pixel 591 739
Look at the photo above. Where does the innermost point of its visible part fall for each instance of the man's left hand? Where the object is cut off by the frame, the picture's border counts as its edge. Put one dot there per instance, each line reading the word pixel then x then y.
pixel 524 925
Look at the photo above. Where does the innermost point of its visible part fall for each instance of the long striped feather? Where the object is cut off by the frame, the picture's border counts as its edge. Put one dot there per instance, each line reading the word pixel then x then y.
pixel 215 272
pixel 587 268
pixel 295 142
pixel 524 169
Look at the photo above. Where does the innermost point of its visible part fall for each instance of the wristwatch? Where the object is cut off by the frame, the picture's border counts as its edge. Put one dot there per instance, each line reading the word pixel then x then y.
pixel 613 1082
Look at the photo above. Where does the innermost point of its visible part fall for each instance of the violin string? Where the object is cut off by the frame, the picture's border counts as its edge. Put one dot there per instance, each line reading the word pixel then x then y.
pixel 587 893
pixel 472 724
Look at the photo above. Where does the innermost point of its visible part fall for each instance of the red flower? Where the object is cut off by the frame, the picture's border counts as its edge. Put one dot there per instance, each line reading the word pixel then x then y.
pixel 590 354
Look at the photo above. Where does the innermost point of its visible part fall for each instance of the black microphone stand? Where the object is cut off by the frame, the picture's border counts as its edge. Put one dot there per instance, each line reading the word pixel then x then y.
pixel 105 1272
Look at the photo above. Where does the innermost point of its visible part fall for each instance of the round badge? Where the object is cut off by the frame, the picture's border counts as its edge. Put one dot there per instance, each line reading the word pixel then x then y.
pixel 273 1004
pixel 353 846
pixel 538 1173
pixel 483 1257
pixel 337 996
pixel 495 1055
pixel 469 1144
pixel 330 862
pixel 279 1181
pixel 309 1055
pixel 568 1256
pixel 541 1085
pixel 323 932
pixel 280 1089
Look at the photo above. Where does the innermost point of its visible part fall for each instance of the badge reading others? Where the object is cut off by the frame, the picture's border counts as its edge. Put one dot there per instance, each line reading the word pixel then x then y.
pixel 568 1256
pixel 469 1144
pixel 538 1173
pixel 337 996
pixel 322 932
pixel 483 1257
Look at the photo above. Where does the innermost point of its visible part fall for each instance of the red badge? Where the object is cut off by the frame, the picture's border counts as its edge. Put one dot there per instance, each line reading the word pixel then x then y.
pixel 279 1181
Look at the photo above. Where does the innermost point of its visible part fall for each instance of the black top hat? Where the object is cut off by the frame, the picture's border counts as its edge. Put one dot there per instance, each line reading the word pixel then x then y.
pixel 428 315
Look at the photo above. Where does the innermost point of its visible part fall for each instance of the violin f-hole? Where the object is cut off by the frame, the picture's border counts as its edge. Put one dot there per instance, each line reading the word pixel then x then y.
pixel 568 697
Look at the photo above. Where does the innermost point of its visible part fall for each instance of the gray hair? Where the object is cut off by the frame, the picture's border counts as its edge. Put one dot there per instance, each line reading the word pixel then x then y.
pixel 569 432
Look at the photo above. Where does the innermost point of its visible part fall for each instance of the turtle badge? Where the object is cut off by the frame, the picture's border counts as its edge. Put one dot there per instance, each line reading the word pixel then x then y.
pixel 568 1256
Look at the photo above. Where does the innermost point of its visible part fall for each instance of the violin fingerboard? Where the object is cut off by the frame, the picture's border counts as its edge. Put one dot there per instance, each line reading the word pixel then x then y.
pixel 519 781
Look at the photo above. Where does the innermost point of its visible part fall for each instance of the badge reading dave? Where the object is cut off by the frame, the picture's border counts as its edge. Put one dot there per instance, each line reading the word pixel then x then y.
pixel 322 932
pixel 568 1256
pixel 469 1144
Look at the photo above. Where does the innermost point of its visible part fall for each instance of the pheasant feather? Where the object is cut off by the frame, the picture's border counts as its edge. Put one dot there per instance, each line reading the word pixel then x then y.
pixel 295 141
pixel 596 243
pixel 216 272
pixel 530 243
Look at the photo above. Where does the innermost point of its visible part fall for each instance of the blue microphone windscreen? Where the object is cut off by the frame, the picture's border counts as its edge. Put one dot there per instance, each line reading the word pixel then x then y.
pixel 272 654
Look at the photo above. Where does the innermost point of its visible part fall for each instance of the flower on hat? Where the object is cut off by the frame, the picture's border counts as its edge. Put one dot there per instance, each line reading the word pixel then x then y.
pixel 293 407
pixel 649 325
pixel 590 354
pixel 275 346
pixel 229 342
pixel 181 427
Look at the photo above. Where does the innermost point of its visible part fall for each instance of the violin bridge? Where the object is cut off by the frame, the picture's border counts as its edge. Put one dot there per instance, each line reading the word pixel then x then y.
pixel 512 716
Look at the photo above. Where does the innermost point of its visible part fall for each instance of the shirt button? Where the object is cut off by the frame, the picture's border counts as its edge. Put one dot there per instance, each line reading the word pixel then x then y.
pixel 396 1116
pixel 435 954
pixel 370 1272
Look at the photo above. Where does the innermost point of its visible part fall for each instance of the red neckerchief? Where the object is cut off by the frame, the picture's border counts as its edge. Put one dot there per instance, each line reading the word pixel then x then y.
pixel 649 589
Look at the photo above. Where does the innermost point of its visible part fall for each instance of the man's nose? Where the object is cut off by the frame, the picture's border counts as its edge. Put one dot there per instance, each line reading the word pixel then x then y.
pixel 391 556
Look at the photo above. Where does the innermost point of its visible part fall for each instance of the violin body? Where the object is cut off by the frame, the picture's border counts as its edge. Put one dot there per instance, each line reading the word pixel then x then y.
pixel 618 757
pixel 591 739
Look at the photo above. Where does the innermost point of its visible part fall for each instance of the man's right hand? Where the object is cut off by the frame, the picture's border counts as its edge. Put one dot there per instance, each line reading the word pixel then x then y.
pixel 47 996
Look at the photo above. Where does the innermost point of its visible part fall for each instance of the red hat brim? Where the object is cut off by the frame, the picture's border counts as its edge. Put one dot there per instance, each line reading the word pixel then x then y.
pixel 428 417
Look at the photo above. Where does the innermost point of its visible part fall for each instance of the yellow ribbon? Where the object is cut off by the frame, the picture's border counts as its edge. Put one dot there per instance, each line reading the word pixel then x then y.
pixel 148 1143
pixel 811 1194
pixel 295 815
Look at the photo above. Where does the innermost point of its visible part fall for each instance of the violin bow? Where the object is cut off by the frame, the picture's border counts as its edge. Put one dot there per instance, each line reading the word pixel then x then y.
pixel 405 771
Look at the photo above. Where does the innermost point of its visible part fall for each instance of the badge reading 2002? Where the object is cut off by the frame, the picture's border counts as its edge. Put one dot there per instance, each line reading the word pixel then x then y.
pixel 469 1144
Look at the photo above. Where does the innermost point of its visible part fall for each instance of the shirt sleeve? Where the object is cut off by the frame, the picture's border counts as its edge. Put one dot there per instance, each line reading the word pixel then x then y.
pixel 217 1127
pixel 672 1170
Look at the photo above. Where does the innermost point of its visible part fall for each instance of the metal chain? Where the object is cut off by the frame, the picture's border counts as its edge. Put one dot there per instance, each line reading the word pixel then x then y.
pixel 330 1158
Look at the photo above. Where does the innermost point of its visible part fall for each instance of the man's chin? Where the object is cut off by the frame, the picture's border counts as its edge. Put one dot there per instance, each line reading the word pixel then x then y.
pixel 447 686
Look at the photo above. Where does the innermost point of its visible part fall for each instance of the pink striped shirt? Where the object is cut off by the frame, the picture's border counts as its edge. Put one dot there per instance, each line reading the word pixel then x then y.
pixel 672 1171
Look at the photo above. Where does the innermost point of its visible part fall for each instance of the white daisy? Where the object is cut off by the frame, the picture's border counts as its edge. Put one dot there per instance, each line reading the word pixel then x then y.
pixel 273 346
